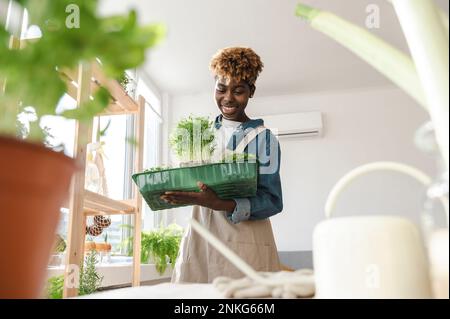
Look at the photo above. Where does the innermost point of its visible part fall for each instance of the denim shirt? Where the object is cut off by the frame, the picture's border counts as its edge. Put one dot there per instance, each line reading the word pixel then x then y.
pixel 268 200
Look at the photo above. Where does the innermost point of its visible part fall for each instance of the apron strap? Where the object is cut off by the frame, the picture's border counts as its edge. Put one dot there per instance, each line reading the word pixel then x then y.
pixel 250 136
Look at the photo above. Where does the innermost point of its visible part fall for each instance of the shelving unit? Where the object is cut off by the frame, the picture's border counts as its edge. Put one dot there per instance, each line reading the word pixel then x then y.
pixel 82 83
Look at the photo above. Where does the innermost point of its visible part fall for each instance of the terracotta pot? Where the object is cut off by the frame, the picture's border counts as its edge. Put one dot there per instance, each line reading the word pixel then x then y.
pixel 34 181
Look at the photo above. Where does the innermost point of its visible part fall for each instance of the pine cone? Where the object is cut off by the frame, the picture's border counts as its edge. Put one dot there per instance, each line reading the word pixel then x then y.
pixel 94 230
pixel 102 221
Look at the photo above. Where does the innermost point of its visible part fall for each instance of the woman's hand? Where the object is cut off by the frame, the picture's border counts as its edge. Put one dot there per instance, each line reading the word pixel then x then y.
pixel 206 197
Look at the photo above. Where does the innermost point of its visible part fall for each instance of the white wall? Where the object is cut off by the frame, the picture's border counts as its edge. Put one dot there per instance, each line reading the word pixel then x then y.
pixel 360 126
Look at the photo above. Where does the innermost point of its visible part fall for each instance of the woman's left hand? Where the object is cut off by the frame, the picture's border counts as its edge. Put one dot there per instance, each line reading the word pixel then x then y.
pixel 206 197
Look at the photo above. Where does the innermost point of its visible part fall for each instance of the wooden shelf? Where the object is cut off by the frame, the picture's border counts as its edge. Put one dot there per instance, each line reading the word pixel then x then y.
pixel 94 212
pixel 106 206
pixel 121 103
pixel 81 85
pixel 101 205
pixel 122 99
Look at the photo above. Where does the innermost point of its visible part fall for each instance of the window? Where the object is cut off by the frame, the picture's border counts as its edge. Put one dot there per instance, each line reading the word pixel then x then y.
pixel 117 162
pixel 62 130
pixel 152 146
pixel 152 157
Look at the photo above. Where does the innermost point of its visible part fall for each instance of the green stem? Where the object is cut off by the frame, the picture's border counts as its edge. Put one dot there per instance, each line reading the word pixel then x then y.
pixel 388 60
pixel 306 12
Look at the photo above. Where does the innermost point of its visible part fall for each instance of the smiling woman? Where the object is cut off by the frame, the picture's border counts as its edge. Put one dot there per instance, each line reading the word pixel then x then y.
pixel 243 223
pixel 236 70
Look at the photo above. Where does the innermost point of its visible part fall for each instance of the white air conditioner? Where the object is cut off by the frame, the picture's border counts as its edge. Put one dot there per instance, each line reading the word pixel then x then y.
pixel 305 124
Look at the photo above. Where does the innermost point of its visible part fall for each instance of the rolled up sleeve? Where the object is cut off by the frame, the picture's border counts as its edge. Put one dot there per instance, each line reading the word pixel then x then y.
pixel 241 211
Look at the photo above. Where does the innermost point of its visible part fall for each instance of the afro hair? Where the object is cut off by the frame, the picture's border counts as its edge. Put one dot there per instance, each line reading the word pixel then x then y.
pixel 237 63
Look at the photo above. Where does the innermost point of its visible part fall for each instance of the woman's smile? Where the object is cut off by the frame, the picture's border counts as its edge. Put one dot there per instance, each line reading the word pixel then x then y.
pixel 228 109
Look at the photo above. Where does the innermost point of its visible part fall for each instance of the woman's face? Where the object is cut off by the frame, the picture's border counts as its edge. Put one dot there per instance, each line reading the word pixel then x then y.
pixel 232 98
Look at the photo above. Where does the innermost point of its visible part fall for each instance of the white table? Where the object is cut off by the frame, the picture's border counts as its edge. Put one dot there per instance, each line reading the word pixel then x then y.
pixel 160 291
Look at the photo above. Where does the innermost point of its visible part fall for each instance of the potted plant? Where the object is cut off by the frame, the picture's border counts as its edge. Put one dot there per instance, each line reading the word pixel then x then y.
pixel 235 175
pixel 90 280
pixel 161 246
pixel 34 180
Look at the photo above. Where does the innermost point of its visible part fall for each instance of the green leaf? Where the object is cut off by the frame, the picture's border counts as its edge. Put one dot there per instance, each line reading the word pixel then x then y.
pixel 88 110
pixel 193 139
pixel 103 131
pixel 90 280
pixel 306 12
pixel 32 80
pixel 55 287
pixel 132 141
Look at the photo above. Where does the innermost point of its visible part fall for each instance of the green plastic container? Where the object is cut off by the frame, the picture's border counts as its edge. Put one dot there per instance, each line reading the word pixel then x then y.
pixel 228 180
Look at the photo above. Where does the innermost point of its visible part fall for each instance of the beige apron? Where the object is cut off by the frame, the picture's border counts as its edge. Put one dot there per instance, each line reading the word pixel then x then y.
pixel 252 240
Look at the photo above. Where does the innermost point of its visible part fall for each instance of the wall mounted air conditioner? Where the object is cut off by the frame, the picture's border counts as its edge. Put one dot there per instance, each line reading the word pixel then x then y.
pixel 305 124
